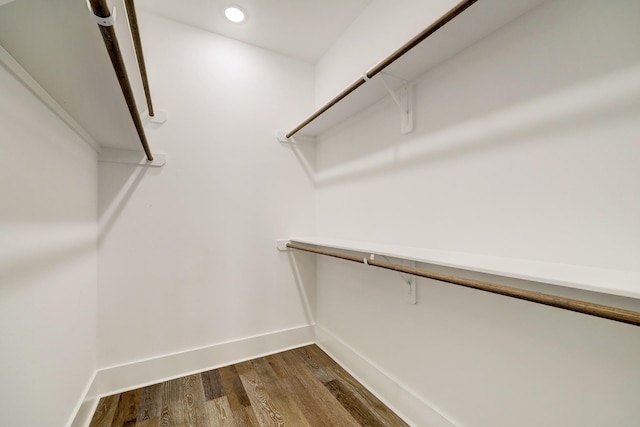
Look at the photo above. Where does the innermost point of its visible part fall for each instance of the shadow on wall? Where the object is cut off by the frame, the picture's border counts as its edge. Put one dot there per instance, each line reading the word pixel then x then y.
pixel 116 191
pixel 23 268
pixel 303 268
pixel 572 108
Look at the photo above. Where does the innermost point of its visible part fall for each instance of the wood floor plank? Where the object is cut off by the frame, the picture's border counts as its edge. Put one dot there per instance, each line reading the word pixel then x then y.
pixel 103 416
pixel 127 411
pixel 150 402
pixel 355 407
pixel 385 416
pixel 279 394
pixel 266 412
pixel 315 363
pixel 195 414
pixel 233 385
pixel 220 413
pixel 237 397
pixel 314 400
pixel 152 422
pixel 282 368
pixel 212 384
pixel 172 409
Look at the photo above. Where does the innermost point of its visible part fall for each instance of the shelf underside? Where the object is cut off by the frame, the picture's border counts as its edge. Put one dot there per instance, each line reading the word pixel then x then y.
pixel 606 281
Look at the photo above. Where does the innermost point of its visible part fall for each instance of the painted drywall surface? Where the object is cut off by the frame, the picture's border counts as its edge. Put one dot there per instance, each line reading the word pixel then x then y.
pixel 48 261
pixel 378 31
pixel 524 147
pixel 187 252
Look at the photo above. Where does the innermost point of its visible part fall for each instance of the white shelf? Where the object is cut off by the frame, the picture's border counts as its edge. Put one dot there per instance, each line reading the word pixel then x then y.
pixel 614 282
pixel 478 21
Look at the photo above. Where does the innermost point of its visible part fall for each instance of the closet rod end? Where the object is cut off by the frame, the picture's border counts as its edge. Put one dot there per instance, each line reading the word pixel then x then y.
pixel 281 244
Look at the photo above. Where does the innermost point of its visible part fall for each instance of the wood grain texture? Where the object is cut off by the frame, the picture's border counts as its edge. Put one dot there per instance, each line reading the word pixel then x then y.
pixel 237 398
pixel 212 384
pixel 150 400
pixel 298 388
pixel 127 410
pixel 105 411
pixel 172 409
pixel 314 400
pixel 193 399
pixel 266 411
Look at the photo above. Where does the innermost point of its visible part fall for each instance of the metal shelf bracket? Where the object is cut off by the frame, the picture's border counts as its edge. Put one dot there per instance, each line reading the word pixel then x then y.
pixel 403 98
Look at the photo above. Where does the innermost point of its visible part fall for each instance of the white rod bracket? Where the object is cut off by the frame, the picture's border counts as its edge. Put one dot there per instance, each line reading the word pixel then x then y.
pixel 107 21
pixel 131 157
pixel 282 137
pixel 409 283
pixel 159 118
pixel 403 97
pixel 410 287
pixel 281 244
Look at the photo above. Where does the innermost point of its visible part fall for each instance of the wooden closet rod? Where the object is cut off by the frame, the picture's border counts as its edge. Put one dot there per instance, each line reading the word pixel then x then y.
pixel 603 311
pixel 137 44
pixel 457 10
pixel 100 9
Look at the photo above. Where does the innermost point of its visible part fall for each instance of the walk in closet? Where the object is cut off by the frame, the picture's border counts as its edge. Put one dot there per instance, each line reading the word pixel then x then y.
pixel 413 212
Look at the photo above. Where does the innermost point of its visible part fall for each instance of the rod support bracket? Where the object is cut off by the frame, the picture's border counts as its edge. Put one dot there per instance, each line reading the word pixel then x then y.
pixel 104 21
pixel 403 98
pixel 160 117
pixel 131 157
pixel 372 257
pixel 281 244
pixel 282 137
pixel 410 287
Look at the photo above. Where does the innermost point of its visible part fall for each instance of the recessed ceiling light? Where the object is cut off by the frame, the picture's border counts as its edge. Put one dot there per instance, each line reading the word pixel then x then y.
pixel 234 14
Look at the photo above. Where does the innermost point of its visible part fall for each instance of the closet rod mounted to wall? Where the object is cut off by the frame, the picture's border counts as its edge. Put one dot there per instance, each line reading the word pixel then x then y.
pixel 105 23
pixel 137 44
pixel 603 311
pixel 451 14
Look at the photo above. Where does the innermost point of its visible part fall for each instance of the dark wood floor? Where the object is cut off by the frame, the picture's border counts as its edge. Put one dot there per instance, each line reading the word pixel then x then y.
pixel 301 387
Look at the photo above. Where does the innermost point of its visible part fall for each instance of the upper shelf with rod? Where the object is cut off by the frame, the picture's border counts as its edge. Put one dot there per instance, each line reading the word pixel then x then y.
pixel 57 51
pixel 463 25
pixel 612 282
pixel 606 281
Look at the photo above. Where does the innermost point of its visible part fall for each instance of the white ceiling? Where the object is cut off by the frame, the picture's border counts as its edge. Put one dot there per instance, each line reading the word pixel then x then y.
pixel 303 29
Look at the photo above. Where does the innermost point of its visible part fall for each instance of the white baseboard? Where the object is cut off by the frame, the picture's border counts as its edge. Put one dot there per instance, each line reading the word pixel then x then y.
pixel 402 400
pixel 84 408
pixel 134 375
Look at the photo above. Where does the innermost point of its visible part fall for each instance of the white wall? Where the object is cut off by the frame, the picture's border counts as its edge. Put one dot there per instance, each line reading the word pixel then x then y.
pixel 525 146
pixel 187 252
pixel 527 138
pixel 48 261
